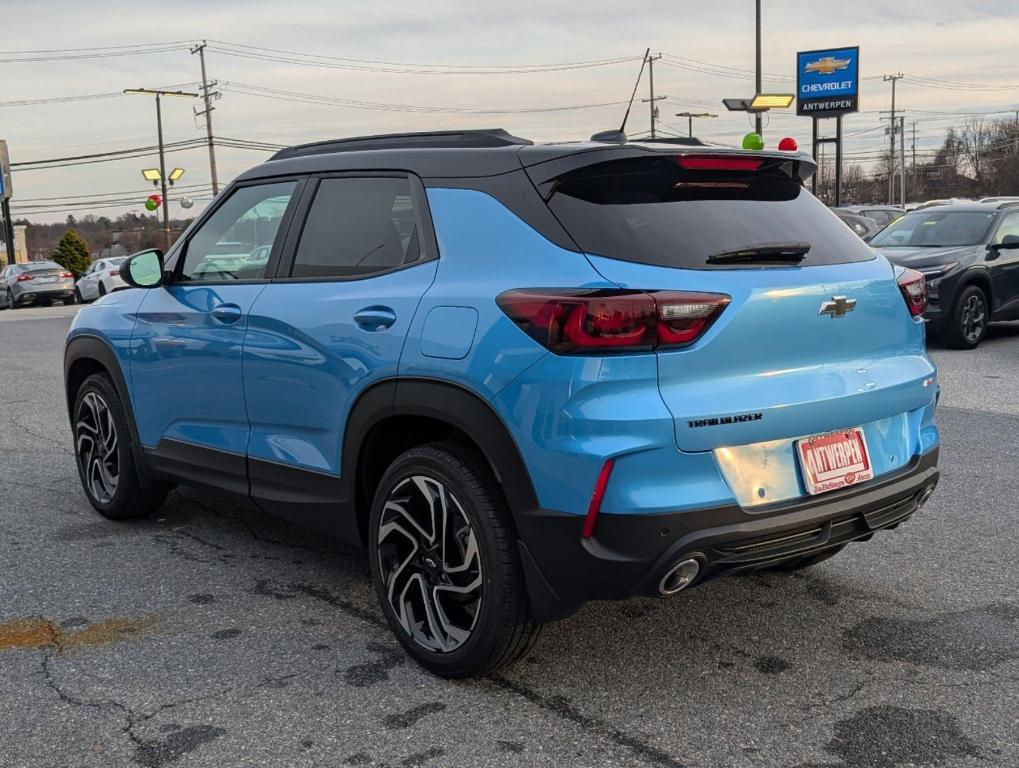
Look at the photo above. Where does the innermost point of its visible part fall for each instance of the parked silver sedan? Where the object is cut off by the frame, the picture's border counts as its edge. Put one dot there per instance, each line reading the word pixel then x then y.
pixel 100 278
pixel 36 282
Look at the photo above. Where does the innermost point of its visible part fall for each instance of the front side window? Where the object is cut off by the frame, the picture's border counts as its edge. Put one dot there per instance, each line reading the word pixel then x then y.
pixel 236 241
pixel 357 227
pixel 1009 226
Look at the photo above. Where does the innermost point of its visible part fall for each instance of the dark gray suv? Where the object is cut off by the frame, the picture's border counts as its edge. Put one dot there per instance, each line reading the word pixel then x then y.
pixel 969 253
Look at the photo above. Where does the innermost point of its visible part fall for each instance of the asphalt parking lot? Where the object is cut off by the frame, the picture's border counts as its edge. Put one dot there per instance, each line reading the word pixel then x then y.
pixel 213 635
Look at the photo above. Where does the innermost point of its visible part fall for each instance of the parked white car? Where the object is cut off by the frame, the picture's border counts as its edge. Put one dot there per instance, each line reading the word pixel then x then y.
pixel 99 279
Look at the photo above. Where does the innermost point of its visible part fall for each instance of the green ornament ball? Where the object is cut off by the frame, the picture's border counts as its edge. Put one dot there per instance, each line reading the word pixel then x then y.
pixel 753 141
pixel 151 205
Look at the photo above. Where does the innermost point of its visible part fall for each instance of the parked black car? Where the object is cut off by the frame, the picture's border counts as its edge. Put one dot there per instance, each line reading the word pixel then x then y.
pixel 969 253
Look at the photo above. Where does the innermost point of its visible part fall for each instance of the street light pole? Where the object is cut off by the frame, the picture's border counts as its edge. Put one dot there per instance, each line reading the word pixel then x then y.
pixel 162 154
pixel 690 116
pixel 758 122
pixel 162 176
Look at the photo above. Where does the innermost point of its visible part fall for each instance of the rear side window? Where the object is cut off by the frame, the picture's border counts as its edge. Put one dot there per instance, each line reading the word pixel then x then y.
pixel 652 211
pixel 358 227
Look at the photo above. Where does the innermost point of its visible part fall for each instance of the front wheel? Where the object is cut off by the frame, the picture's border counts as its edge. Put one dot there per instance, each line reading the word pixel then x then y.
pixel 444 563
pixel 102 447
pixel 968 323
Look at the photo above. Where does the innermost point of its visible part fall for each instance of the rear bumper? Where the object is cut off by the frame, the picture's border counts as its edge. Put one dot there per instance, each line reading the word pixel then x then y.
pixel 49 293
pixel 630 554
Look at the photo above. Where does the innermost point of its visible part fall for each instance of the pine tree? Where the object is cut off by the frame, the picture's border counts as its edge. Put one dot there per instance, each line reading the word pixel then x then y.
pixel 72 253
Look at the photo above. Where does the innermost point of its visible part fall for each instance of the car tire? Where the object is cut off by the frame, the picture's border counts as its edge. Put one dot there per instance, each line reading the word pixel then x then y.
pixel 104 454
pixel 70 300
pixel 452 590
pixel 102 290
pixel 77 297
pixel 967 325
pixel 7 300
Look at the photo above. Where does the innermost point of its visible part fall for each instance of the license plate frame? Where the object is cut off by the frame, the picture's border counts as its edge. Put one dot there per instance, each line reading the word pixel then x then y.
pixel 834 460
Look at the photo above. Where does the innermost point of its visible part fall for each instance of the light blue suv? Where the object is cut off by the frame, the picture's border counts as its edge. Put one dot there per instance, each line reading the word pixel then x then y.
pixel 521 376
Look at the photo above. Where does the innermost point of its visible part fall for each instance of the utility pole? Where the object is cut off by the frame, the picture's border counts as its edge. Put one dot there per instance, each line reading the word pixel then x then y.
pixel 207 97
pixel 913 171
pixel 162 155
pixel 902 172
pixel 758 117
pixel 651 85
pixel 891 156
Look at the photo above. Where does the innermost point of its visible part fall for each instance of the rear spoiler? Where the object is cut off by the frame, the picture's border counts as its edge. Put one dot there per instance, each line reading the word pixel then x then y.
pixel 545 171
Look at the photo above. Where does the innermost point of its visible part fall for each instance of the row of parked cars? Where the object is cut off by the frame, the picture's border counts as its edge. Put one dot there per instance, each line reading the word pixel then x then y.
pixel 967 250
pixel 43 282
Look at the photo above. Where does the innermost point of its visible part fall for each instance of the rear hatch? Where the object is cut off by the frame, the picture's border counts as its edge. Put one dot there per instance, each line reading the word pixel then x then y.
pixel 792 354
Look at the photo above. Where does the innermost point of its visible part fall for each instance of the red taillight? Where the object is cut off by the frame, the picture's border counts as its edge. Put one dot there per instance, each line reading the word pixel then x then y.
pixel 718 163
pixel 67 274
pixel 23 278
pixel 911 283
pixel 591 519
pixel 611 320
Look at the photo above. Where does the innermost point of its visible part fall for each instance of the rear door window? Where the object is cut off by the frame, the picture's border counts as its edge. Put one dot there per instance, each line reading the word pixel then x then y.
pixel 653 211
pixel 358 226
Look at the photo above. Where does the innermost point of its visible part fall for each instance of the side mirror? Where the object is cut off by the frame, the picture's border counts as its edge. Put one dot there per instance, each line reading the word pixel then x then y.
pixel 1009 241
pixel 144 269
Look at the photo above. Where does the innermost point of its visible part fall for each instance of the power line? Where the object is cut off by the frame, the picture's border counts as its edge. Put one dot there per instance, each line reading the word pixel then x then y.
pixel 312 98
pixel 339 62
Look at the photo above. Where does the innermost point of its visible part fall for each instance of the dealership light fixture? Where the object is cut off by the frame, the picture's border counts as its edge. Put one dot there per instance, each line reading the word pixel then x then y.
pixel 153 175
pixel 175 175
pixel 765 101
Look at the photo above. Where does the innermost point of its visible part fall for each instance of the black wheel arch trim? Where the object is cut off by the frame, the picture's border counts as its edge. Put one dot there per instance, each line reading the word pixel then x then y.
pixel 97 350
pixel 447 402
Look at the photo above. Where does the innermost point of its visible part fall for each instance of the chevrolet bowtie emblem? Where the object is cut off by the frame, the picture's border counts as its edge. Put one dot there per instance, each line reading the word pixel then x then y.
pixel 827 66
pixel 837 307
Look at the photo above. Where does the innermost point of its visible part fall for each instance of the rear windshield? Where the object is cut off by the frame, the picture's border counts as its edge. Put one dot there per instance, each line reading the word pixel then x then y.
pixel 36 265
pixel 652 211
pixel 936 229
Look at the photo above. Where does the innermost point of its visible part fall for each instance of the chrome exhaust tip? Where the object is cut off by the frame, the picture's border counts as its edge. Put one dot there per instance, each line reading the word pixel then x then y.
pixel 925 495
pixel 678 577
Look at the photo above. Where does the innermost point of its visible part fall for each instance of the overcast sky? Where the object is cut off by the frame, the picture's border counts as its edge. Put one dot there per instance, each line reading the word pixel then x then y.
pixel 965 43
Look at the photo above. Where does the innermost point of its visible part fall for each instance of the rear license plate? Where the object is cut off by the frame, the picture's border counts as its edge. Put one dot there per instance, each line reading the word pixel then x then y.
pixel 45 279
pixel 834 460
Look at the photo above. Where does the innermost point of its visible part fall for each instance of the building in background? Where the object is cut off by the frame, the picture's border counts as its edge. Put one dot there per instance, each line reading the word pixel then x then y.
pixel 20 246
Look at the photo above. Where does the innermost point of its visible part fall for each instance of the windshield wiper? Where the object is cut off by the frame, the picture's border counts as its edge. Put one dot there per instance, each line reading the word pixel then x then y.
pixel 765 253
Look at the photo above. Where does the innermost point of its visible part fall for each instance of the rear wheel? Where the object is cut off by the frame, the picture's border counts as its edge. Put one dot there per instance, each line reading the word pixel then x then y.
pixel 77 297
pixel 444 563
pixel 102 447
pixel 102 289
pixel 968 323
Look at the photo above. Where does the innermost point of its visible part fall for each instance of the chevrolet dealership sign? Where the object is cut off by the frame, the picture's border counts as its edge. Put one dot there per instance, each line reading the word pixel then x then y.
pixel 827 82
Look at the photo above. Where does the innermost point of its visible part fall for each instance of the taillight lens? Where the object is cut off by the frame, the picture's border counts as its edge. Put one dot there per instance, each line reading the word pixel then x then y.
pixel 911 283
pixel 67 274
pixel 611 320
pixel 23 278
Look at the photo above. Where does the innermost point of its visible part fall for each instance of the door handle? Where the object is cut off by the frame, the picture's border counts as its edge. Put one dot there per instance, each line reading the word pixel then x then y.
pixel 375 318
pixel 226 314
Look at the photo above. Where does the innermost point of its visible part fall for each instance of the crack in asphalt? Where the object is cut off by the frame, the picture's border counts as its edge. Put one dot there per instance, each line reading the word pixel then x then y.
pixel 562 707
pixel 58 444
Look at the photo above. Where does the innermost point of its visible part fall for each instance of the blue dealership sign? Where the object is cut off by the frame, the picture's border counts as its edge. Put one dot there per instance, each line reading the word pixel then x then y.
pixel 827 82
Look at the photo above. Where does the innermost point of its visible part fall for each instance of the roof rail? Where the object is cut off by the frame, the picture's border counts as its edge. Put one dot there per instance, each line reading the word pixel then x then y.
pixel 1008 204
pixel 493 137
